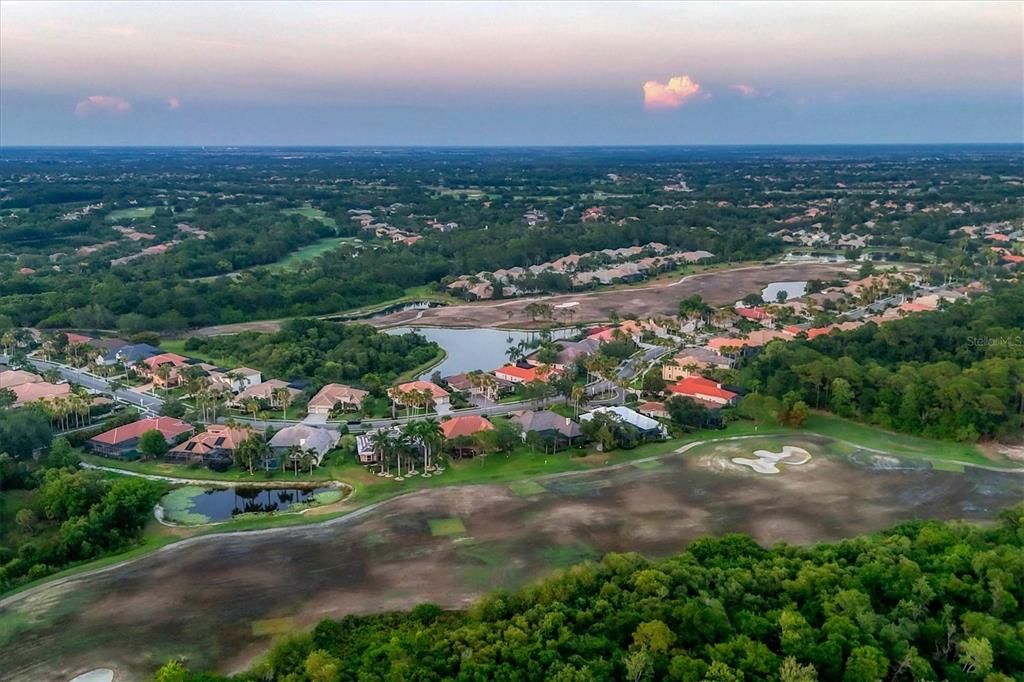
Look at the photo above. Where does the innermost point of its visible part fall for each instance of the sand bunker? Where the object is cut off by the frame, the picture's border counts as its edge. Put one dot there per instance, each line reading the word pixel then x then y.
pixel 98 675
pixel 767 462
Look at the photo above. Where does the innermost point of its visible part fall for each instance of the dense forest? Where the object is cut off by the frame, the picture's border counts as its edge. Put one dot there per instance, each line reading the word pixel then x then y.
pixel 956 374
pixel 921 601
pixel 324 352
pixel 54 515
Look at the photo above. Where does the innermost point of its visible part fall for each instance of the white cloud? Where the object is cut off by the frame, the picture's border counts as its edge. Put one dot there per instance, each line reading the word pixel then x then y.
pixel 102 103
pixel 669 95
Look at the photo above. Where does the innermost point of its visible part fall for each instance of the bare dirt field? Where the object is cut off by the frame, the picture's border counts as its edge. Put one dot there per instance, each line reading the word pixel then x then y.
pixel 217 601
pixel 720 287
pixel 717 288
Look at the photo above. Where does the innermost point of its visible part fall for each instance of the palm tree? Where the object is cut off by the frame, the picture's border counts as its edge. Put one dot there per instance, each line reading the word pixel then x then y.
pixel 295 455
pixel 163 373
pixel 381 441
pixel 252 405
pixel 282 396
pixel 8 341
pixel 578 395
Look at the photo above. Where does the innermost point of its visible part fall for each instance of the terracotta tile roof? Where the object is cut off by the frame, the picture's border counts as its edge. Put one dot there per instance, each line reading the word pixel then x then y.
pixel 694 386
pixel 216 437
pixel 527 374
pixel 435 390
pixel 465 426
pixel 170 427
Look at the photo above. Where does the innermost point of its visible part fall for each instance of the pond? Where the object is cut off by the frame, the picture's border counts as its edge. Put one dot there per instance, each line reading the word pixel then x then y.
pixel 793 290
pixel 475 348
pixel 194 505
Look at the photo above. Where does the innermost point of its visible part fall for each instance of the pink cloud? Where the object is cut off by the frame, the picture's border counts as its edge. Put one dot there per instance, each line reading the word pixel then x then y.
pixel 102 103
pixel 669 95
pixel 173 103
pixel 745 90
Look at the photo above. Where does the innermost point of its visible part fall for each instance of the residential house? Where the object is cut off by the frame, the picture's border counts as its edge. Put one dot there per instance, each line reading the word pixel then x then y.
pixel 653 409
pixel 264 392
pixel 233 380
pixel 692 359
pixel 465 425
pixel 216 444
pixel 128 354
pixel 9 378
pixel 336 396
pixel 402 394
pixel 516 374
pixel 480 384
pixel 555 429
pixel 122 442
pixel 648 428
pixel 704 391
pixel 316 439
pixel 38 390
pixel 174 363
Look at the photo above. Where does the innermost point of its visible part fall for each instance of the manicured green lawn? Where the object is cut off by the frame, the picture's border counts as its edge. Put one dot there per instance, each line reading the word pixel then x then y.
pixel 311 251
pixel 896 443
pixel 311 213
pixel 450 526
pixel 130 213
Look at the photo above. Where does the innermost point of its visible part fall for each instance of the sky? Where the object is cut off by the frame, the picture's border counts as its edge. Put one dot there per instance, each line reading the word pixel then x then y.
pixel 510 73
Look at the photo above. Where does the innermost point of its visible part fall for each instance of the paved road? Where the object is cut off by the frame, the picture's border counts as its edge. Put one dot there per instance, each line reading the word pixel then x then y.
pixel 145 401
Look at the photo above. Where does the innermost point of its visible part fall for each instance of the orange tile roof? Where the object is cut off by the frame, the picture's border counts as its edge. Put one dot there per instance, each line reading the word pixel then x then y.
pixel 465 426
pixel 527 374
pixel 168 426
pixel 699 385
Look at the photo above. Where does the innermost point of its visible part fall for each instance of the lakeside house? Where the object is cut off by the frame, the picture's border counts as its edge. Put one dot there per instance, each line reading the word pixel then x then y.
pixel 465 425
pixel 315 439
pixel 408 394
pixel 479 384
pixel 122 442
pixel 336 396
pixel 216 444
pixel 569 352
pixel 516 374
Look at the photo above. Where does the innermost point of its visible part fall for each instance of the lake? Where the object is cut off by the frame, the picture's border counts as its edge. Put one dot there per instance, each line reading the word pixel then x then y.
pixel 475 348
pixel 793 290
pixel 193 504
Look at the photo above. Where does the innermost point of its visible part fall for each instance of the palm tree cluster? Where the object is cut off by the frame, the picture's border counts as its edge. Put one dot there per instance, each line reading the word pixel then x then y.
pixel 412 400
pixel 417 441
pixel 69 412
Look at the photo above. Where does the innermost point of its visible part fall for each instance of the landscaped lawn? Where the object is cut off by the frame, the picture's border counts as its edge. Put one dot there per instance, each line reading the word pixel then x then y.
pixel 131 213
pixel 897 443
pixel 313 214
pixel 311 251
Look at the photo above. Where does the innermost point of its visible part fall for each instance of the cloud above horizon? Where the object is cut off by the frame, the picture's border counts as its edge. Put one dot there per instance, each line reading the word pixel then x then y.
pixel 102 104
pixel 173 103
pixel 746 90
pixel 670 95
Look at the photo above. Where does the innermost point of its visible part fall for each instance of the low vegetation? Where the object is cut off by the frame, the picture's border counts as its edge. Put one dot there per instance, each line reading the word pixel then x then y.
pixel 923 600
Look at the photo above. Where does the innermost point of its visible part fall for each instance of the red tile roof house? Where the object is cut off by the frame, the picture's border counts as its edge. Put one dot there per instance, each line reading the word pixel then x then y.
pixel 122 442
pixel 703 390
pixel 524 375
pixel 464 427
pixel 756 315
pixel 216 444
pixel 653 409
pixel 172 360
pixel 336 396
pixel 31 392
pixel 440 397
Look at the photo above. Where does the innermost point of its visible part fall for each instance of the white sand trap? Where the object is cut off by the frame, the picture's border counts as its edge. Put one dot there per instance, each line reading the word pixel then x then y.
pixel 97 675
pixel 767 462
